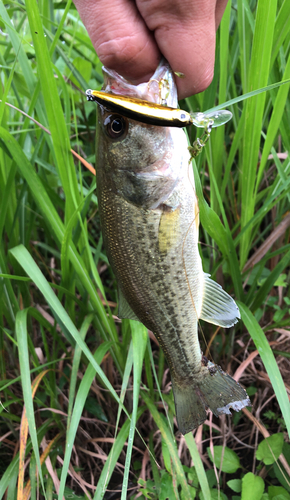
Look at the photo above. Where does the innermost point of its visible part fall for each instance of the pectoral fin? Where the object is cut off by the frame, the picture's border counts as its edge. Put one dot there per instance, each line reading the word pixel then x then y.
pixel 217 306
pixel 124 310
pixel 168 233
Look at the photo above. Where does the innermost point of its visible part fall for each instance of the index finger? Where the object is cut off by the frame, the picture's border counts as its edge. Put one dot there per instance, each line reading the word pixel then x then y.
pixel 121 38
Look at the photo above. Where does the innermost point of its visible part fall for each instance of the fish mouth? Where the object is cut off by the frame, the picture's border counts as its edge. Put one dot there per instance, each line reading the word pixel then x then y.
pixel 161 88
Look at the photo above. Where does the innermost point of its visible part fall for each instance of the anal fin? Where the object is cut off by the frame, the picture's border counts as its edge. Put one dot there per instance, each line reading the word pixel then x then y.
pixel 124 310
pixel 218 307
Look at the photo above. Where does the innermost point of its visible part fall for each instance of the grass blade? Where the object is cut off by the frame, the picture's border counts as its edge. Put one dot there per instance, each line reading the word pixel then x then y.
pixel 28 412
pixel 167 436
pixel 269 361
pixel 57 125
pixel 139 338
pixel 80 400
pixel 254 109
pixel 25 260
pixel 190 441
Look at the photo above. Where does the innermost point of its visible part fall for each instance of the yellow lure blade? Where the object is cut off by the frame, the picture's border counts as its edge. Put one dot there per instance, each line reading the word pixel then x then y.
pixel 142 111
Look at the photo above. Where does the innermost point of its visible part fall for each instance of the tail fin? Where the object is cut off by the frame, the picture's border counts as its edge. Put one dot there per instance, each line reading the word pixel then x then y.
pixel 213 389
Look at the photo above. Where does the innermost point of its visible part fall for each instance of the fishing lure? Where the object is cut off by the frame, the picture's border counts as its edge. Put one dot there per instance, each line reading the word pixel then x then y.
pixel 158 114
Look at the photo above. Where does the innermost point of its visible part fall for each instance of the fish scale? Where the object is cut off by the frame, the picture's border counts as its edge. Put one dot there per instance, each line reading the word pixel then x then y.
pixel 149 216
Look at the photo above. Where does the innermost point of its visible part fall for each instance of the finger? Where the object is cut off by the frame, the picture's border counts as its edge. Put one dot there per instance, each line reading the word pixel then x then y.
pixel 120 36
pixel 220 8
pixel 185 34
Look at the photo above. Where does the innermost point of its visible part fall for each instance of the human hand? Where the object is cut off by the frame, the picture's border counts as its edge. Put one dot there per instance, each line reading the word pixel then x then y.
pixel 130 35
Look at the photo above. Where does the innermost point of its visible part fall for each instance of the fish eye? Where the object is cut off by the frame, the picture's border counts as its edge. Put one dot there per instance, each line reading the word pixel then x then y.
pixel 116 126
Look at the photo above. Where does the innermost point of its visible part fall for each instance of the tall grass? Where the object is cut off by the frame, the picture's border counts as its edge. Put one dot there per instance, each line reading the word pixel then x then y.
pixel 81 405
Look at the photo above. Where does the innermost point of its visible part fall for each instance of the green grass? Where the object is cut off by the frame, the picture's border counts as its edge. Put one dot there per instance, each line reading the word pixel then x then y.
pixel 95 390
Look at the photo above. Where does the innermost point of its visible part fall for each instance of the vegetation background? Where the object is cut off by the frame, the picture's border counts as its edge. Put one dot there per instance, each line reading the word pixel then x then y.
pixel 86 406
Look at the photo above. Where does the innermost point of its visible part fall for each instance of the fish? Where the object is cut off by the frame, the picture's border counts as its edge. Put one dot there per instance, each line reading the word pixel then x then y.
pixel 150 224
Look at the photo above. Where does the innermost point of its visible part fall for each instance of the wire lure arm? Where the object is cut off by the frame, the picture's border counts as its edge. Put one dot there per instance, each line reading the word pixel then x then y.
pixel 200 142
pixel 208 121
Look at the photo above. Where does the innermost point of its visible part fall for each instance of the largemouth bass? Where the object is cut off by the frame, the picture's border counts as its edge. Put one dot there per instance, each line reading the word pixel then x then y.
pixel 150 220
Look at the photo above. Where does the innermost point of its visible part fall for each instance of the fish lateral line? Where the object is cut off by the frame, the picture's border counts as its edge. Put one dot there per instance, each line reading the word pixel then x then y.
pixel 204 360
